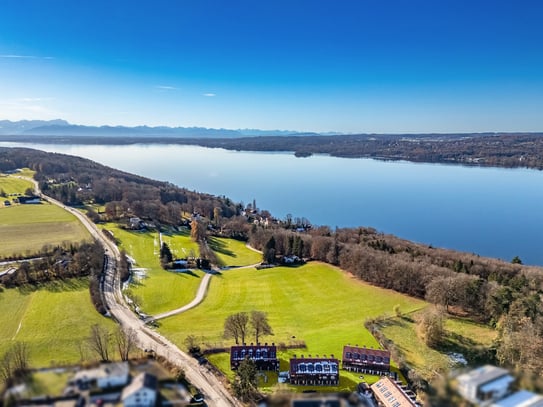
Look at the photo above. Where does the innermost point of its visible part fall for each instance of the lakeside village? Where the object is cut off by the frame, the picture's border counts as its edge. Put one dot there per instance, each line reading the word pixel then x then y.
pixel 146 382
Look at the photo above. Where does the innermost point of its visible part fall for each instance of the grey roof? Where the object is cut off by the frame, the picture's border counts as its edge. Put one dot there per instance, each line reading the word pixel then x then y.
pixel 483 375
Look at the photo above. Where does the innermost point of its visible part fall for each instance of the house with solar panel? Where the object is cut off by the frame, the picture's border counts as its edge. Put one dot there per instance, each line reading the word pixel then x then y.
pixel 366 360
pixel 264 356
pixel 314 371
pixel 390 393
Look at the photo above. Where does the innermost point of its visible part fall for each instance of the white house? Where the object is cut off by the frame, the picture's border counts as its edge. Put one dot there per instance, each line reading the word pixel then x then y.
pixel 142 392
pixel 522 398
pixel 106 376
pixel 485 384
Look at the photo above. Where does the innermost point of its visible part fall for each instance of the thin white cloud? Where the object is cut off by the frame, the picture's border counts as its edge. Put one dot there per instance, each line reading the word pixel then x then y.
pixel 164 87
pixel 209 95
pixel 17 56
pixel 33 100
pixel 28 108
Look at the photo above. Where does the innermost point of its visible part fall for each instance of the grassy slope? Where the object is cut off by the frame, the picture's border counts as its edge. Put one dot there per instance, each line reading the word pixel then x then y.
pixel 13 185
pixel 181 244
pixel 233 252
pixel 26 228
pixel 53 320
pixel 161 290
pixel 460 333
pixel 315 303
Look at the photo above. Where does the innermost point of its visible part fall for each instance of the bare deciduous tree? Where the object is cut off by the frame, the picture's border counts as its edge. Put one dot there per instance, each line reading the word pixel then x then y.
pixel 125 341
pixel 99 342
pixel 260 325
pixel 14 363
pixel 236 326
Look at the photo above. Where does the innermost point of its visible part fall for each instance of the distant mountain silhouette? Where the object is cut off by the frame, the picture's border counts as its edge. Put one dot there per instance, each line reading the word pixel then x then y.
pixel 63 128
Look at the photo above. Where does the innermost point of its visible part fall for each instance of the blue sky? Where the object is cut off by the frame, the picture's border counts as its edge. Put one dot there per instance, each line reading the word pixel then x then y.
pixel 373 66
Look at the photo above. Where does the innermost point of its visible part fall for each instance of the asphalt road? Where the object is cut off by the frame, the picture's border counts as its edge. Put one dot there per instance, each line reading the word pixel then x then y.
pixel 215 393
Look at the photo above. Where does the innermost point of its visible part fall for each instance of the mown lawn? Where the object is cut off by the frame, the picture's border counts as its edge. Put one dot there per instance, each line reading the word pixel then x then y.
pixel 231 252
pixel 181 244
pixel 316 303
pixel 53 320
pixel 159 290
pixel 25 229
pixel 12 185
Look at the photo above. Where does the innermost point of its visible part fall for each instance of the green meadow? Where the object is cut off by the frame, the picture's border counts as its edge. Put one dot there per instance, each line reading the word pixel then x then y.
pixel 315 303
pixel 25 229
pixel 231 252
pixel 158 290
pixel 12 185
pixel 53 320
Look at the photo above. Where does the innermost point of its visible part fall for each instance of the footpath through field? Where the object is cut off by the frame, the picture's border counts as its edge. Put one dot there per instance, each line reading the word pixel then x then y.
pixel 202 290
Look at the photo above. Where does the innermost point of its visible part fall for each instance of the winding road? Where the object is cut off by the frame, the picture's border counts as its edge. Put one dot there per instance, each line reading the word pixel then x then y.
pixel 208 384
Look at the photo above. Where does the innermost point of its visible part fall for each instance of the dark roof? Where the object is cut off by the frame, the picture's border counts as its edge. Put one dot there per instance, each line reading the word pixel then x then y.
pixel 314 365
pixel 365 351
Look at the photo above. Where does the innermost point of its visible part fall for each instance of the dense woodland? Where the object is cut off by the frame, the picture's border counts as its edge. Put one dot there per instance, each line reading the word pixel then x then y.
pixel 485 149
pixel 504 295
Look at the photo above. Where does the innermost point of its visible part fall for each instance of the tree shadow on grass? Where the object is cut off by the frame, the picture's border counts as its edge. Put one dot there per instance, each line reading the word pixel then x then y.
pixel 56 286
pixel 220 247
pixel 185 272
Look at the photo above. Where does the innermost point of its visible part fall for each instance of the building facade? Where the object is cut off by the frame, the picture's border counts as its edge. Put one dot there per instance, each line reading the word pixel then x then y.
pixel 264 356
pixel 367 360
pixel 321 371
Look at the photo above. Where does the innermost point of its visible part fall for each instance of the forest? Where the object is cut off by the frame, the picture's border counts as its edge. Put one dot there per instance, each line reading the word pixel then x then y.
pixel 510 150
pixel 501 294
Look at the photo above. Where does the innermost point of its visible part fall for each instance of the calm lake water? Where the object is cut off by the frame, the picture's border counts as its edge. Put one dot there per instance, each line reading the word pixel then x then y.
pixel 488 211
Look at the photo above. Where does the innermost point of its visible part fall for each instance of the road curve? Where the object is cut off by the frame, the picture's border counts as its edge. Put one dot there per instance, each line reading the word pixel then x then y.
pixel 199 376
pixel 202 289
pixel 200 294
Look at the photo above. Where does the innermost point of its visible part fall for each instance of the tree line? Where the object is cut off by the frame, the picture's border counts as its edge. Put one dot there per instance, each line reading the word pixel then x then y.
pixel 63 262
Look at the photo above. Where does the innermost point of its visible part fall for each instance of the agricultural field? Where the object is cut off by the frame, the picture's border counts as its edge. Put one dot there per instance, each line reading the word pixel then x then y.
pixel 53 320
pixel 461 336
pixel 157 290
pixel 316 304
pixel 25 229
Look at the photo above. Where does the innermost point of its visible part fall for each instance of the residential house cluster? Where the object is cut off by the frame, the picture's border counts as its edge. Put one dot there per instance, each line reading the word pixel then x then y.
pixel 314 370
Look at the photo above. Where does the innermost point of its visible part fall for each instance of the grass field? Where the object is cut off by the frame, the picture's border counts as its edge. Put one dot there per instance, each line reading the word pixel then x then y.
pixel 316 303
pixel 181 244
pixel 163 290
pixel 13 185
pixel 26 228
pixel 160 290
pixel 52 320
pixel 231 252
pixel 461 335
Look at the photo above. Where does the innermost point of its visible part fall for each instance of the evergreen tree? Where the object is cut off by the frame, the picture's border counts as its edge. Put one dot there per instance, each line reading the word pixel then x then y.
pixel 165 254
pixel 245 385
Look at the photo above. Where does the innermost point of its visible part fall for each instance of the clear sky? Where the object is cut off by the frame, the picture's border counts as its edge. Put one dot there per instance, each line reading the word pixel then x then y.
pixel 315 65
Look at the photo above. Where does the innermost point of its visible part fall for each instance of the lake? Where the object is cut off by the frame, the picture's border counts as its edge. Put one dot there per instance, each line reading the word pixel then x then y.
pixel 488 211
